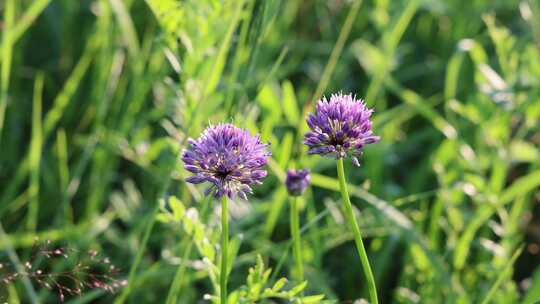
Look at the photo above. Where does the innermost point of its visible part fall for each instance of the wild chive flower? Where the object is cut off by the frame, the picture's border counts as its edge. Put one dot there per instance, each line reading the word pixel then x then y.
pixel 340 127
pixel 227 157
pixel 297 181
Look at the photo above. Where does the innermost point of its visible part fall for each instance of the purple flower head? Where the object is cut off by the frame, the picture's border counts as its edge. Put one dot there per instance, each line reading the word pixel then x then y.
pixel 297 181
pixel 227 157
pixel 340 127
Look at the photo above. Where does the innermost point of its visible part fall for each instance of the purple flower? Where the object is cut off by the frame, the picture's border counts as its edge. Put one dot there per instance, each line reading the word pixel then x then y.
pixel 297 181
pixel 227 157
pixel 340 127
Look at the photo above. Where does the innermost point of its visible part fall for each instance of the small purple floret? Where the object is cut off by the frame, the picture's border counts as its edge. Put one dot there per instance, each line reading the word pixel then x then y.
pixel 227 157
pixel 297 181
pixel 340 127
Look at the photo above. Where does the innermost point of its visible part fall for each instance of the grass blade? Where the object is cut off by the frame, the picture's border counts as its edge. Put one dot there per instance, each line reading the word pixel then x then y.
pixel 521 186
pixel 503 275
pixel 136 262
pixel 7 50
pixel 35 154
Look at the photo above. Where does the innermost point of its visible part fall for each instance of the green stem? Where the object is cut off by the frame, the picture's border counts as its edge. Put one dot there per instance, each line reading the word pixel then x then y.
pixel 295 235
pixel 353 225
pixel 224 250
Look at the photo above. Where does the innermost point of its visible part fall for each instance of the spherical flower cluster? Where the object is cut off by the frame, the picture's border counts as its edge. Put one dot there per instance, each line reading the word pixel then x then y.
pixel 340 127
pixel 297 181
pixel 227 157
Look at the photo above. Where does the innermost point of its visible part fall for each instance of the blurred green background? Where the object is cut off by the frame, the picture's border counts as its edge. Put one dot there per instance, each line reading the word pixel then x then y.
pixel 98 97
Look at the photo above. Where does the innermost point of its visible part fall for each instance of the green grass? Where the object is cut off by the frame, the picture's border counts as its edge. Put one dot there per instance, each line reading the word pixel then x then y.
pixel 99 97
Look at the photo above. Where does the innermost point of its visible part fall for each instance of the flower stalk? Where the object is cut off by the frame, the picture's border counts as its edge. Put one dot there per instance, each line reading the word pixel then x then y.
pixel 353 225
pixel 231 161
pixel 297 182
pixel 224 249
pixel 297 242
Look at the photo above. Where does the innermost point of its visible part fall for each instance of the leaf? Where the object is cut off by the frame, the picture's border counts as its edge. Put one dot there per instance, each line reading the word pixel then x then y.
pixel 370 57
pixel 520 187
pixel 452 75
pixel 523 151
pixel 233 298
pixel 419 258
pixel 279 284
pixel 285 149
pixel 297 289
pixel 177 208
pixel 533 293
pixel 310 299
pixel 218 64
pixel 290 104
pixel 208 250
pixel 267 99
pixel 164 218
pixel 506 271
